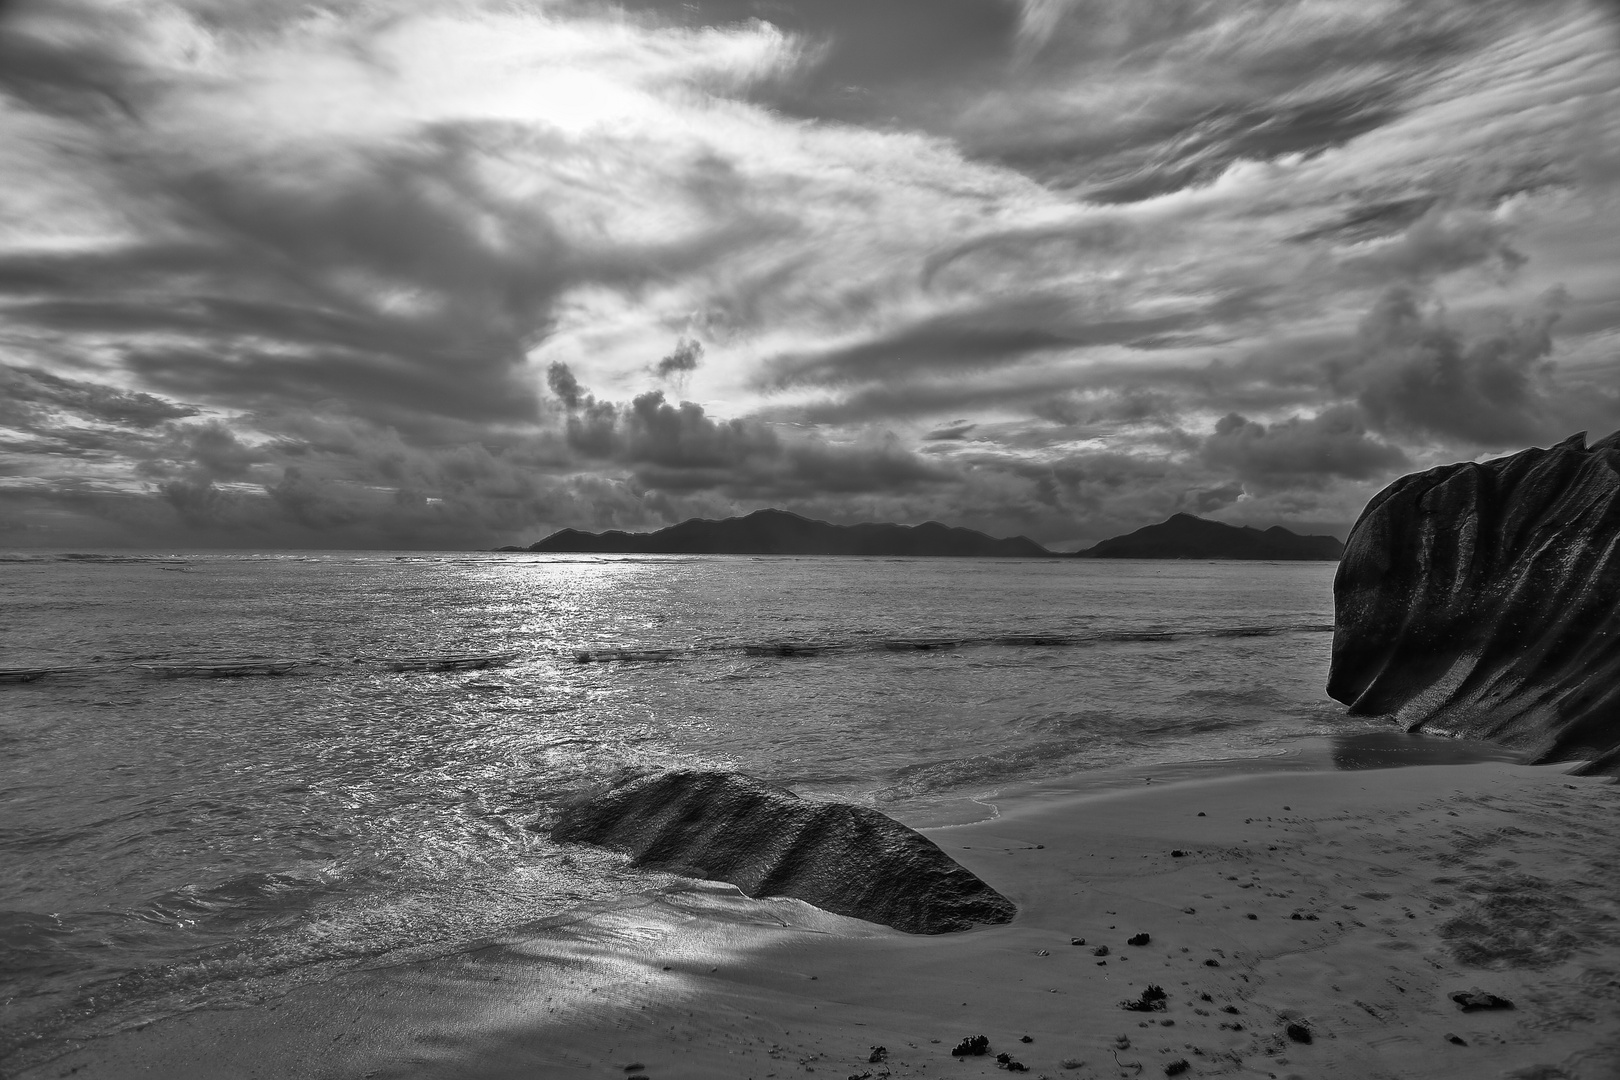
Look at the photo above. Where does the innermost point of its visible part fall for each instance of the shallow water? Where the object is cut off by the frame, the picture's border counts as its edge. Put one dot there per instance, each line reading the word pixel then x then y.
pixel 173 842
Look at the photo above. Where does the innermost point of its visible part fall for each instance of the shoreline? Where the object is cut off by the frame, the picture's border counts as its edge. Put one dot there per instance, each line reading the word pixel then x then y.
pixel 1409 884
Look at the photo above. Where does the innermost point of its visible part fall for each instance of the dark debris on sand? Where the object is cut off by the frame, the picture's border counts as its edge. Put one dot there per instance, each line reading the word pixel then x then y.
pixel 1152 1000
pixel 1475 1000
pixel 972 1046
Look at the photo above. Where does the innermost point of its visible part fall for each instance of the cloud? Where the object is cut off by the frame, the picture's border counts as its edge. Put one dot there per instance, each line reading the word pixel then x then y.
pixel 1442 240
pixel 1415 373
pixel 1334 443
pixel 28 394
pixel 1217 498
pixel 1002 333
pixel 952 432
pixel 408 264
pixel 680 448
pixel 1057 266
pixel 1129 101
pixel 682 360
pixel 560 378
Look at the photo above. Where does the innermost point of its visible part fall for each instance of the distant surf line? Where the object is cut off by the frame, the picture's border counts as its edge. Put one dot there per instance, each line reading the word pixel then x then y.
pixel 170 667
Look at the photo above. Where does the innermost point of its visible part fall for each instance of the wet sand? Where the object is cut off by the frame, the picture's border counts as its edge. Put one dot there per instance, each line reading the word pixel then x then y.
pixel 1344 905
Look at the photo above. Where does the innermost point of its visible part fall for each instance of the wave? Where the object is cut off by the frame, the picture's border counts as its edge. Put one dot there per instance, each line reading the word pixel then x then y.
pixel 36 943
pixel 981 771
pixel 774 649
pixel 816 647
pixel 253 895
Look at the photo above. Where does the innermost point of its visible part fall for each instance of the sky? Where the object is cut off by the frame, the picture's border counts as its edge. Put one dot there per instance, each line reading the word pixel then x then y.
pixel 453 273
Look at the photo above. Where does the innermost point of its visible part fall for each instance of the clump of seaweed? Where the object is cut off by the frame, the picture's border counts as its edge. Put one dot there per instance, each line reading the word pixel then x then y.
pixel 1476 1000
pixel 972 1046
pixel 1152 1000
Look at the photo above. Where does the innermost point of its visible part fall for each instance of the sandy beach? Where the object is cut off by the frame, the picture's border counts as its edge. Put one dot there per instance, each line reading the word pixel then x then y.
pixel 1300 921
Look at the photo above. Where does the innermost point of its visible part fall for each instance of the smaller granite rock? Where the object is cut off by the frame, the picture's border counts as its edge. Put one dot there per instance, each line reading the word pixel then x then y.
pixel 767 841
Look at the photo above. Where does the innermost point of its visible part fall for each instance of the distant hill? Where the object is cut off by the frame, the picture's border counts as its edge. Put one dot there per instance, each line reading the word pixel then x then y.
pixel 1186 537
pixel 778 532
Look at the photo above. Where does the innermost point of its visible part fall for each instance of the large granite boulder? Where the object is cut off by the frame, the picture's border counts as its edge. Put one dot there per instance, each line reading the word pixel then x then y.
pixel 1483 600
pixel 767 841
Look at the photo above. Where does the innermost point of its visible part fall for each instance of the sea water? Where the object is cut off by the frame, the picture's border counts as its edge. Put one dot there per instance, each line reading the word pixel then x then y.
pixel 172 843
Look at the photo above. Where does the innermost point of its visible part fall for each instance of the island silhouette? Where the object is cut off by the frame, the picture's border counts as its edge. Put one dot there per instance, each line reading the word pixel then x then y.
pixel 782 532
pixel 1184 536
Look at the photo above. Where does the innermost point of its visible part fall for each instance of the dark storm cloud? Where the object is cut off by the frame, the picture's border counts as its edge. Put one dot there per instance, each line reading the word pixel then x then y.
pixel 1415 373
pixel 682 360
pixel 680 448
pixel 997 336
pixel 1213 499
pixel 1197 148
pixel 156 266
pixel 1334 443
pixel 1288 374
pixel 47 61
pixel 952 432
pixel 676 437
pixel 204 452
pixel 1219 84
pixel 1443 240
pixel 26 394
pixel 302 279
pixel 1368 221
pixel 946 342
pixel 344 482
pixel 563 383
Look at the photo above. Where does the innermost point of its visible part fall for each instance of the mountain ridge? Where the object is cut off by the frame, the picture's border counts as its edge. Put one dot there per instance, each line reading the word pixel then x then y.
pixel 782 532
pixel 1184 536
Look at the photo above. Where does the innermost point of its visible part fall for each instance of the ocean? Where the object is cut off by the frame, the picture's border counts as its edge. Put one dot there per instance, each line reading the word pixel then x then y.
pixel 174 843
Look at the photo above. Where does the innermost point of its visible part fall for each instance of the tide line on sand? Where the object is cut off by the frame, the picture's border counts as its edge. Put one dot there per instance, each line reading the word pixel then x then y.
pixel 1277 923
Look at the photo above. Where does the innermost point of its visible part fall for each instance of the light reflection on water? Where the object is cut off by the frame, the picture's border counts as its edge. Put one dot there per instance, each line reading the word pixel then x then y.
pixel 171 841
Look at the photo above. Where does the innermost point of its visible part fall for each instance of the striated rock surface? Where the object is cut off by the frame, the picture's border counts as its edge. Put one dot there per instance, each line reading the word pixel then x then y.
pixel 767 841
pixel 1483 600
